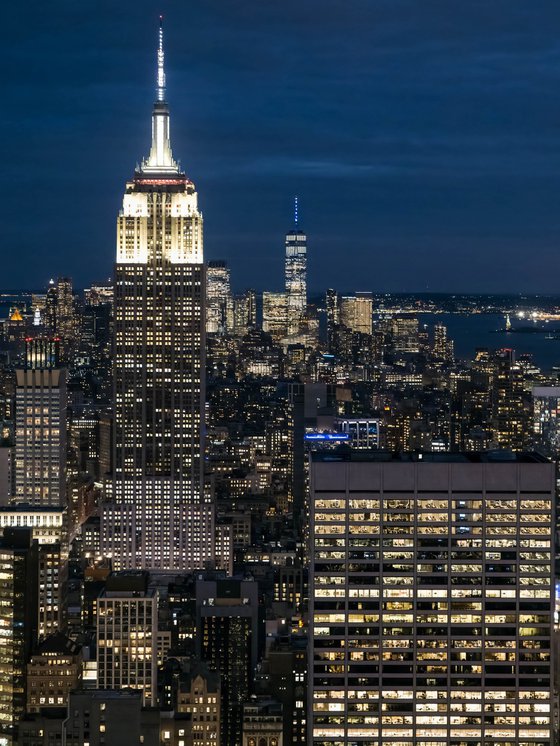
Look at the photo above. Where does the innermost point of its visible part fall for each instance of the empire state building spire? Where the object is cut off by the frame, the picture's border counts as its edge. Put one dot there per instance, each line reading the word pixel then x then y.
pixel 160 65
pixel 160 160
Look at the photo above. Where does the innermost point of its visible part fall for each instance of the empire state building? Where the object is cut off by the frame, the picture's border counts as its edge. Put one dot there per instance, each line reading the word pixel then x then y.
pixel 158 518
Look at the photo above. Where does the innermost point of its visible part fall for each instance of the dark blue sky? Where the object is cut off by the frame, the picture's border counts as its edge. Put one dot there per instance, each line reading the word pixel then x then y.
pixel 423 137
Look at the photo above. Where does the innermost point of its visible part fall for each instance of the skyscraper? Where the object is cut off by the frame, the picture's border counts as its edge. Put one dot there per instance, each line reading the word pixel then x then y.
pixel 51 309
pixel 218 296
pixel 66 320
pixel 40 467
pixel 49 527
pixel 227 614
pixel 127 634
pixel 440 347
pixel 59 316
pixel 159 356
pixel 18 623
pixel 333 319
pixel 510 420
pixel 431 599
pixel 275 310
pixel 296 276
pixel 356 312
pixel 242 313
pixel 546 419
pixel 42 352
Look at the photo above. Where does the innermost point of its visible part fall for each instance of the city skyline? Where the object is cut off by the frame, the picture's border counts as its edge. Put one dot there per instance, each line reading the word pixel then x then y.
pixel 159 348
pixel 435 137
pixel 275 519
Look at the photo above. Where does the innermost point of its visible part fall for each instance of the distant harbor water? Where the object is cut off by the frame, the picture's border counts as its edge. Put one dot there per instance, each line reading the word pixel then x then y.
pixel 468 331
pixel 482 330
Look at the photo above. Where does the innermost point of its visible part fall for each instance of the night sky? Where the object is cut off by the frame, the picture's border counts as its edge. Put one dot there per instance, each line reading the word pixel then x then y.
pixel 422 137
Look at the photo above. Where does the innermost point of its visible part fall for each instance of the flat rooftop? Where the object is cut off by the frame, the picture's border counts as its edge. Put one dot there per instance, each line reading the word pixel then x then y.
pixel 32 508
pixel 462 457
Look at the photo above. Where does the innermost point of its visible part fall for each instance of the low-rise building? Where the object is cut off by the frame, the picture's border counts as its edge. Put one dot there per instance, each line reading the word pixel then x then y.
pixel 54 670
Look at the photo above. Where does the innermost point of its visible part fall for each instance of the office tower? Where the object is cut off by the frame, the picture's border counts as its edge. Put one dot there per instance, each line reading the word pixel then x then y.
pixel 356 312
pixel 18 623
pixel 285 671
pixel 440 341
pixel 51 309
pixel 42 352
pixel 38 301
pixel 94 717
pixel 443 347
pixel 159 362
pixel 275 315
pixel 6 472
pixel 405 334
pixel 218 296
pixel 227 638
pixel 7 453
pixel 546 420
pixel 296 411
pixel 333 320
pixel 311 406
pixel 262 723
pixel 15 326
pixel 363 313
pixel 53 576
pixel 49 527
pixel 96 329
pixel 199 695
pixel 223 548
pixel 59 317
pixel 242 313
pixel 127 635
pixel 509 412
pixel 432 599
pixel 40 464
pixel 99 294
pixel 290 583
pixel 363 432
pixel 98 717
pixel 296 276
pixel 55 669
pixel 66 318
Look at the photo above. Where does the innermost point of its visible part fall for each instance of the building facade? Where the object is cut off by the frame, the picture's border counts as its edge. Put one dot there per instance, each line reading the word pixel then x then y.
pixel 275 315
pixel 159 360
pixel 296 277
pixel 19 575
pixel 262 723
pixel 356 312
pixel 546 419
pixel 510 415
pixel 127 635
pixel 218 296
pixel 227 639
pixel 199 695
pixel 49 527
pixel 55 669
pixel 431 599
pixel 40 463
